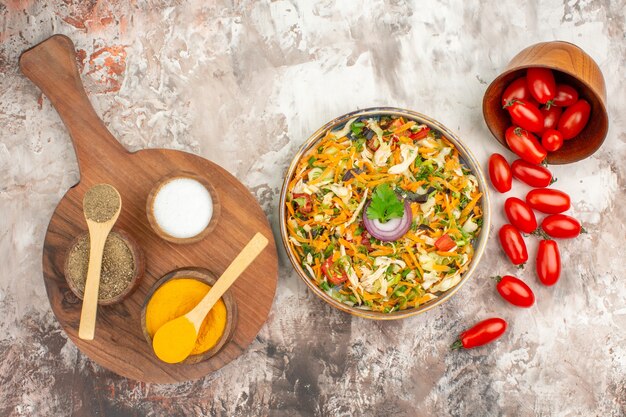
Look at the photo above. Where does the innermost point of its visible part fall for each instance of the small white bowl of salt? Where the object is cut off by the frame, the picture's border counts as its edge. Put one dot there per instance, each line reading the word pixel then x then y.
pixel 182 208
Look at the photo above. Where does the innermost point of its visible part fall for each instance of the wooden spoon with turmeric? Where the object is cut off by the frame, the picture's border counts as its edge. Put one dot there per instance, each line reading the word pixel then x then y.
pixel 174 341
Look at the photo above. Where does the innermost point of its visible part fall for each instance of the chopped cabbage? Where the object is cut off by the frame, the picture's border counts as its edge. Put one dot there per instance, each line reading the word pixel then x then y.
pixel 359 208
pixel 469 226
pixel 345 130
pixel 408 153
pixel 373 126
pixel 382 154
pixel 315 173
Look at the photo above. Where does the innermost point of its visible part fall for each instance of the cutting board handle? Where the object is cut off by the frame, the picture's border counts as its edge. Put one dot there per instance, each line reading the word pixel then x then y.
pixel 52 66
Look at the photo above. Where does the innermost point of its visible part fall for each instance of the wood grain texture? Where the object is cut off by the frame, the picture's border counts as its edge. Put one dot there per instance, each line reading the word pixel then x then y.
pixel 572 66
pixel 119 344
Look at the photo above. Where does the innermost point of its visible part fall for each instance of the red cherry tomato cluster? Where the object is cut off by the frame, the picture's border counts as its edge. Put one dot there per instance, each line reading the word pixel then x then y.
pixel 543 113
pixel 522 219
pixel 521 213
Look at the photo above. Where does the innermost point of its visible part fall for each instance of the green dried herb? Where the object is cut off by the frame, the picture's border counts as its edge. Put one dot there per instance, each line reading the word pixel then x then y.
pixel 101 203
pixel 118 266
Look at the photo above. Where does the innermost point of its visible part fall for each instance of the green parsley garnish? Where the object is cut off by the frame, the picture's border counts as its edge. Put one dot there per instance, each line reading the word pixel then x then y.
pixel 385 205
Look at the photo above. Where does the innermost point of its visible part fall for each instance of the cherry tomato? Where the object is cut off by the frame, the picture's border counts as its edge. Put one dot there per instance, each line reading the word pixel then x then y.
pixel 500 173
pixel 520 215
pixel 525 115
pixel 541 84
pixel 515 291
pixel 525 145
pixel 334 274
pixel 574 119
pixel 548 262
pixel 534 175
pixel 518 89
pixel 513 244
pixel 482 333
pixel 561 226
pixel 303 201
pixel 552 140
pixel 566 95
pixel 551 116
pixel 445 243
pixel 548 200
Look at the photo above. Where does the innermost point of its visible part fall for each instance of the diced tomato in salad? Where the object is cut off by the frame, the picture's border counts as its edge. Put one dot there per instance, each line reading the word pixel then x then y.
pixel 396 124
pixel 303 202
pixel 445 243
pixel 421 134
pixel 333 272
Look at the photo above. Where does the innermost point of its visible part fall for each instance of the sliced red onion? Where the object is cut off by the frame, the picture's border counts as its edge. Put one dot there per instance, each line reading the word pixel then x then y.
pixel 391 230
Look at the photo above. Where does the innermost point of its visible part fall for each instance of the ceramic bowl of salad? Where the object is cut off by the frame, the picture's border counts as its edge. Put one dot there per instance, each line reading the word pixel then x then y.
pixel 384 213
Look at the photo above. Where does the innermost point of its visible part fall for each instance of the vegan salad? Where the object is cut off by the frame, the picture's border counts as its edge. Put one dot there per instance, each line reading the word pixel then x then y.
pixel 383 213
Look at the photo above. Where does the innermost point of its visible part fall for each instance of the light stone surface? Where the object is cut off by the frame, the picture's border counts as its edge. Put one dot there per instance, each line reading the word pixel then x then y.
pixel 243 83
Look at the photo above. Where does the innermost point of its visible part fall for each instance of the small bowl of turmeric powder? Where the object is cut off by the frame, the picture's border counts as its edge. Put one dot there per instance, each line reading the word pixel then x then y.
pixel 175 295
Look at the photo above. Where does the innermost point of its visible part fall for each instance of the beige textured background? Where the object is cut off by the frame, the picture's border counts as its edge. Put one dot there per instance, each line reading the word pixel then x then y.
pixel 243 83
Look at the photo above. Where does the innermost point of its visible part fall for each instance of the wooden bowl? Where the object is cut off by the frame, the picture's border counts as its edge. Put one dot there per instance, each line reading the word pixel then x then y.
pixel 205 276
pixel 469 160
pixel 572 66
pixel 138 274
pixel 152 219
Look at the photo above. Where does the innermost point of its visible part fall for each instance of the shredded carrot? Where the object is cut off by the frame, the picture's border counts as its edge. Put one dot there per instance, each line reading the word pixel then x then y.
pixel 442 268
pixel 297 237
pixel 369 296
pixel 290 209
pixel 380 253
pixel 408 260
pixel 470 205
pixel 404 127
pixel 423 299
pixel 414 238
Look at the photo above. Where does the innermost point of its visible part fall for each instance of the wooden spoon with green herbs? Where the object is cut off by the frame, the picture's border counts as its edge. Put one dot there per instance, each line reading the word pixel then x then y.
pixel 101 205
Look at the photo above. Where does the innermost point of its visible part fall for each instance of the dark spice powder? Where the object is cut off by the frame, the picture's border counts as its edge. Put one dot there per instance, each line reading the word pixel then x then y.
pixel 101 202
pixel 118 266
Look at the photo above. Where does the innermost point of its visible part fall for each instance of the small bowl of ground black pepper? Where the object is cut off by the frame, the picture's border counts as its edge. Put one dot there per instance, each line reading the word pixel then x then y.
pixel 122 267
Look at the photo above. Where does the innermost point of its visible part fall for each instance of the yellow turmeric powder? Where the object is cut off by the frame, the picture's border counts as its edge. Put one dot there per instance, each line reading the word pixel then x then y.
pixel 176 298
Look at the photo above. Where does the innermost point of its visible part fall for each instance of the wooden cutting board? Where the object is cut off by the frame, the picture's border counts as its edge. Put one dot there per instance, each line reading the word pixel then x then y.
pixel 119 344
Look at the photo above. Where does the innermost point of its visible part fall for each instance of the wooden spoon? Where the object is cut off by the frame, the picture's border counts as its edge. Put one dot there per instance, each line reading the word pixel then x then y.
pixel 101 205
pixel 175 340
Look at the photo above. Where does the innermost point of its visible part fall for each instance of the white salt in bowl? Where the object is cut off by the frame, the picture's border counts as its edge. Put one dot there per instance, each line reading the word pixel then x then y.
pixel 182 208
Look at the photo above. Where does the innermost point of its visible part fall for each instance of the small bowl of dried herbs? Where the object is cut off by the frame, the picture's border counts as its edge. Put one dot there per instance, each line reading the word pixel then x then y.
pixel 122 267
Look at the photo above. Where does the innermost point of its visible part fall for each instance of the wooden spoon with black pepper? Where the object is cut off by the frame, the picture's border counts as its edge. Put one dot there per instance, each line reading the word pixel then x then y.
pixel 102 205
